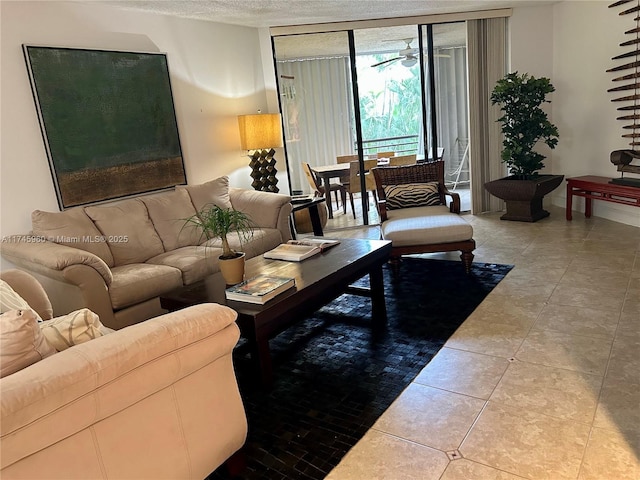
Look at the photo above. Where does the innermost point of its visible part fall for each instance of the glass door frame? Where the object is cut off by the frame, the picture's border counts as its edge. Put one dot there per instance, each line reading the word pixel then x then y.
pixel 428 94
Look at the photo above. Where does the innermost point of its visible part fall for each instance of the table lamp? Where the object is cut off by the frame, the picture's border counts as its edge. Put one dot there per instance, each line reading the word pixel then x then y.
pixel 261 133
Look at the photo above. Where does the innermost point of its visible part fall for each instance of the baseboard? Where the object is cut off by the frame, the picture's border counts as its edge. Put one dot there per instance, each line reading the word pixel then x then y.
pixel 615 212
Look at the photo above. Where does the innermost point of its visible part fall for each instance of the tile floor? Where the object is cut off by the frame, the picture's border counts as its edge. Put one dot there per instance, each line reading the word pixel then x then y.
pixel 542 381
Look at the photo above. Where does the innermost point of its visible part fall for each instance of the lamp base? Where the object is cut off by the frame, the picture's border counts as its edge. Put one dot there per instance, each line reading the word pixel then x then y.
pixel 263 171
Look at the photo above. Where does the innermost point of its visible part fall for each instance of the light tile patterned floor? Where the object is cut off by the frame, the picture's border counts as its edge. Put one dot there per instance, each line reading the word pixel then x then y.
pixel 542 381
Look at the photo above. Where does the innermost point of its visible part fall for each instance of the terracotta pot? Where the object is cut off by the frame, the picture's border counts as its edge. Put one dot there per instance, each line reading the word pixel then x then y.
pixel 232 269
pixel 524 197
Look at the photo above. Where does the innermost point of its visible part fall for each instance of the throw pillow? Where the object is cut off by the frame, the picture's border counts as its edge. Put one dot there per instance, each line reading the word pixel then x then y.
pixel 216 192
pixel 21 341
pixel 128 230
pixel 76 327
pixel 412 195
pixel 72 228
pixel 10 300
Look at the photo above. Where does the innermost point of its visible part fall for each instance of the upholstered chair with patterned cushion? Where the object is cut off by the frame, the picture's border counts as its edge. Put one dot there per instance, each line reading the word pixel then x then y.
pixel 414 214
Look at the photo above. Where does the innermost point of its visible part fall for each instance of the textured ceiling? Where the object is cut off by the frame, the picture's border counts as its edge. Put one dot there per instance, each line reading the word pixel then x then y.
pixel 272 13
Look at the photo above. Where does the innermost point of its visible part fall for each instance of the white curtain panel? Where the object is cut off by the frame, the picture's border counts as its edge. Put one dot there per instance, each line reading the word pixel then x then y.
pixel 317 107
pixel 487 49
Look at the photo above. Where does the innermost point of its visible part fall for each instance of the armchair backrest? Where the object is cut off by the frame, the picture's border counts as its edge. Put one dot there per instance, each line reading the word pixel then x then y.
pixel 402 160
pixel 354 175
pixel 30 289
pixel 418 173
pixel 346 158
pixel 345 179
pixel 311 178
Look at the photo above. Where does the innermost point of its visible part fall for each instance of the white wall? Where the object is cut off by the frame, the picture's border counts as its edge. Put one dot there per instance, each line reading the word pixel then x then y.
pixel 216 74
pixel 220 71
pixel 572 43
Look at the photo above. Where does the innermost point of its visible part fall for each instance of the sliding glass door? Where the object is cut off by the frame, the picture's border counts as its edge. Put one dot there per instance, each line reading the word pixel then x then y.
pixel 316 97
pixel 353 96
pixel 446 87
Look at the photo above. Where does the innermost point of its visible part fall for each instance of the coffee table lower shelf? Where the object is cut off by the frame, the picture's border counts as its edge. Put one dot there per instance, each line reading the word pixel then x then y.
pixel 319 280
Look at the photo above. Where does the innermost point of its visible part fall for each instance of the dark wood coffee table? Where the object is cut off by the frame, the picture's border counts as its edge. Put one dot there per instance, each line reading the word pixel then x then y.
pixel 319 280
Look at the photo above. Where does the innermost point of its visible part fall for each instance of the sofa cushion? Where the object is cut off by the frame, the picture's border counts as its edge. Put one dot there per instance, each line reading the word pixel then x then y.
pixel 263 239
pixel 195 263
pixel 21 341
pixel 72 228
pixel 138 282
pixel 215 191
pixel 412 195
pixel 128 231
pixel 72 329
pixel 425 226
pixel 168 212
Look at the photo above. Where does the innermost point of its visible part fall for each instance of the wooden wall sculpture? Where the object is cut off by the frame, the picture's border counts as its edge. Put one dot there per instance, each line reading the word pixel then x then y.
pixel 627 81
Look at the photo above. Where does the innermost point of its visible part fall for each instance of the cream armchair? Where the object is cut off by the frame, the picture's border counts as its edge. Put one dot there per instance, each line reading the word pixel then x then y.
pixel 156 400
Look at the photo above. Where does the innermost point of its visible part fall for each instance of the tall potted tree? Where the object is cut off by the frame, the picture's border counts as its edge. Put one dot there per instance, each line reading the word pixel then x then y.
pixel 524 124
pixel 217 222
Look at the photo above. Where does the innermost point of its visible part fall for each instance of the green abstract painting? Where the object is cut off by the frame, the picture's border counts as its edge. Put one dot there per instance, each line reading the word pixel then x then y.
pixel 108 122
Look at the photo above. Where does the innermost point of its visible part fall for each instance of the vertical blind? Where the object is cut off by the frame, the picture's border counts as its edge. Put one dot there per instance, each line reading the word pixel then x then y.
pixel 317 113
pixel 487 48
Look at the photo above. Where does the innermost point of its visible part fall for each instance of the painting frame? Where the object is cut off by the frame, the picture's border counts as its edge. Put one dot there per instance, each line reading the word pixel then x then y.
pixel 108 122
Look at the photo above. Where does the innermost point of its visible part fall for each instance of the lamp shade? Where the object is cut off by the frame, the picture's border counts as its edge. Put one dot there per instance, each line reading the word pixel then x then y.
pixel 260 131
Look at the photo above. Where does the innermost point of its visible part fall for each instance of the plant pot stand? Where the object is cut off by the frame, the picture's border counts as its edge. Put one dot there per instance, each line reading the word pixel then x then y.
pixel 523 198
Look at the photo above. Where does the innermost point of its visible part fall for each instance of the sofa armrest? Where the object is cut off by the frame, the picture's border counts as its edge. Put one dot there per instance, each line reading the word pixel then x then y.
pixel 266 209
pixel 31 251
pixel 75 389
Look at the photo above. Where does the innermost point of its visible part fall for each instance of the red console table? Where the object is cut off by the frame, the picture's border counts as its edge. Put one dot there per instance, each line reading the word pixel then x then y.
pixel 598 188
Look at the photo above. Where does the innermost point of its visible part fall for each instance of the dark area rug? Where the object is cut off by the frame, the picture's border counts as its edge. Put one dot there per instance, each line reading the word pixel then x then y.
pixel 333 377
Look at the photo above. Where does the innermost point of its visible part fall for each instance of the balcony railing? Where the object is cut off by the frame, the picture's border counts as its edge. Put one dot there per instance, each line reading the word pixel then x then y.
pixel 404 145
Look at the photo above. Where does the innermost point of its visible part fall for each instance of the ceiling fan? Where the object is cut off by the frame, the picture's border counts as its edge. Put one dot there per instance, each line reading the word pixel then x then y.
pixel 407 55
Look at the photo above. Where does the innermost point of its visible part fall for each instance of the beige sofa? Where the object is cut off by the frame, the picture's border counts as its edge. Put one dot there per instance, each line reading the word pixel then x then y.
pixel 157 400
pixel 116 259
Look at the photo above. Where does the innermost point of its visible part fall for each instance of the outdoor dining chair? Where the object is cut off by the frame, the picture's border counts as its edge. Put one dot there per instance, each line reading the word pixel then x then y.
pixel 319 190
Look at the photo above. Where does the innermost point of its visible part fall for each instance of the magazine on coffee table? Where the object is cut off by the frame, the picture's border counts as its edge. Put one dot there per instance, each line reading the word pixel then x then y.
pixel 298 250
pixel 259 289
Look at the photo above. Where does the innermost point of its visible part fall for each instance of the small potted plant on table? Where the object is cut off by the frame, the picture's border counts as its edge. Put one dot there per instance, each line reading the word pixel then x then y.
pixel 218 222
pixel 524 124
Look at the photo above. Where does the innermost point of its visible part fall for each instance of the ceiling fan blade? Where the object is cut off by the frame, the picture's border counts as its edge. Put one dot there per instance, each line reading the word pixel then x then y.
pixel 386 61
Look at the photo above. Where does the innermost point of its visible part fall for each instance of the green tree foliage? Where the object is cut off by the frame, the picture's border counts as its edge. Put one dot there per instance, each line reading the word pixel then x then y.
pixel 394 111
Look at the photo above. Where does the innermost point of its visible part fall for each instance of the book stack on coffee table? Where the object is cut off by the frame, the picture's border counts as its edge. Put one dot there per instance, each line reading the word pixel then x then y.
pixel 259 289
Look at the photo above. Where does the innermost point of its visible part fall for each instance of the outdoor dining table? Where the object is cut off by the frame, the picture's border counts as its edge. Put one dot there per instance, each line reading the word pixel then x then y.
pixel 336 170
